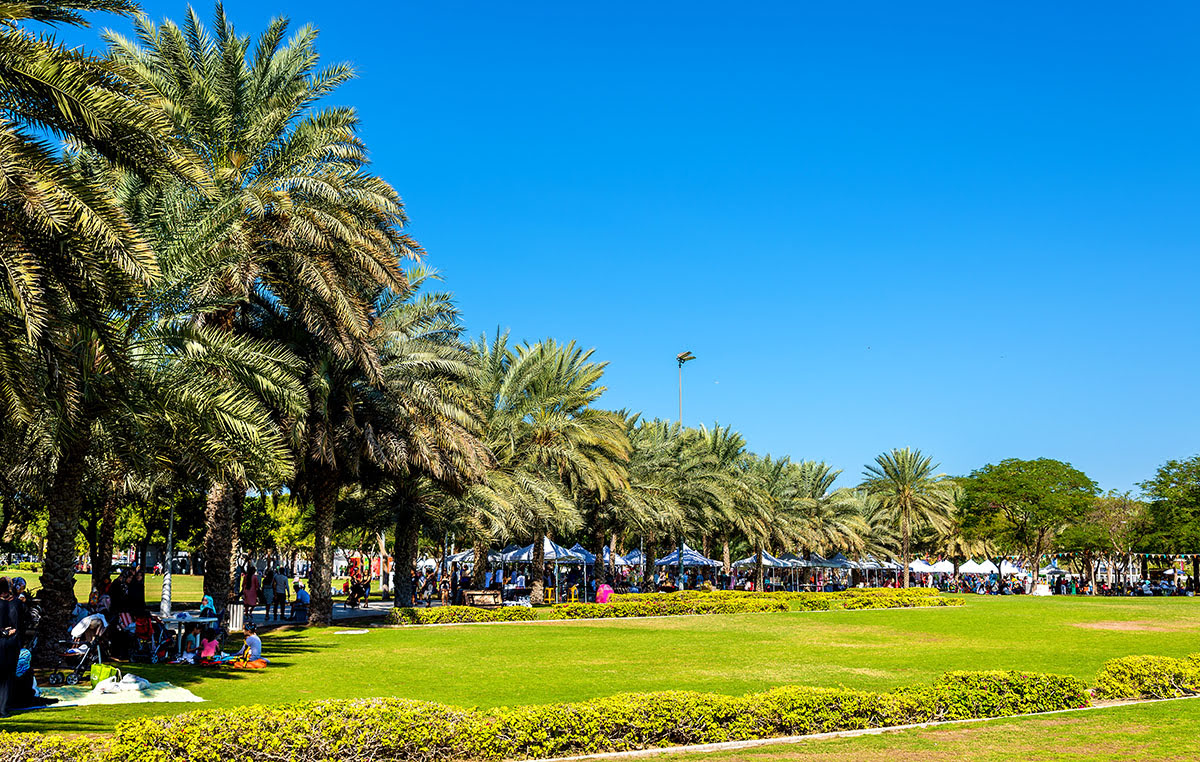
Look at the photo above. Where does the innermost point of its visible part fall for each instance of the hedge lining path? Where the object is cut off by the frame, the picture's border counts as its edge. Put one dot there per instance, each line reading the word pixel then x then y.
pixel 785 740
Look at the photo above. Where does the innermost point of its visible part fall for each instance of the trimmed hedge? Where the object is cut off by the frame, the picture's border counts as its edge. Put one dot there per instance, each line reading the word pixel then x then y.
pixel 34 747
pixel 401 730
pixel 1149 677
pixel 665 606
pixel 861 598
pixel 460 615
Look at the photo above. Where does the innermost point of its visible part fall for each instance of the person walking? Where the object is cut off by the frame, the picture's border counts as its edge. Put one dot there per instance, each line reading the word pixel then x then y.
pixel 281 594
pixel 10 641
pixel 250 590
pixel 267 587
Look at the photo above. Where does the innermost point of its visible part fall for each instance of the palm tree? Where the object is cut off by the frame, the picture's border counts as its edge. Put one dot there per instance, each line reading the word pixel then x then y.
pixel 65 245
pixel 294 219
pixel 547 440
pixel 830 518
pixel 911 494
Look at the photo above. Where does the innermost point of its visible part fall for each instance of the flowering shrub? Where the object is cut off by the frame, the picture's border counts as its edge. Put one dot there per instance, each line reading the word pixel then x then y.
pixel 666 606
pixel 1151 677
pixel 399 730
pixel 459 615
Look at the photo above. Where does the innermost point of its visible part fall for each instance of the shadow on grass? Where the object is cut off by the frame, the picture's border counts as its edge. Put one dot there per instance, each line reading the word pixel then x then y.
pixel 280 646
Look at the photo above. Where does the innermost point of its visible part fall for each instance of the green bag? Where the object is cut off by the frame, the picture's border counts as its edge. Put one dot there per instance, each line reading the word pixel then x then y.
pixel 103 672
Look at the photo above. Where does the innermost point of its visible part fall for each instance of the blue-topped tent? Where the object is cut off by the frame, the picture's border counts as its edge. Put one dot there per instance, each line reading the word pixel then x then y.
pixel 841 562
pixel 768 560
pixel 814 559
pixel 580 551
pixel 689 558
pixel 510 552
pixel 553 552
pixel 794 561
pixel 617 558
pixel 635 558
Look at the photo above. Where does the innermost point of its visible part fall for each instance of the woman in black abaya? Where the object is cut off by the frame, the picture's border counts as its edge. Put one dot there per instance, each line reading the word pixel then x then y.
pixel 10 641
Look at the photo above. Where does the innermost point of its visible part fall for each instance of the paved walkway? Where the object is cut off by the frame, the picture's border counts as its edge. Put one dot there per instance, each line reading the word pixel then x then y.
pixel 375 609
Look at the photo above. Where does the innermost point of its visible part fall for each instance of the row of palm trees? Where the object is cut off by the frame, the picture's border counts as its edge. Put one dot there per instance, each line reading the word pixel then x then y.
pixel 208 290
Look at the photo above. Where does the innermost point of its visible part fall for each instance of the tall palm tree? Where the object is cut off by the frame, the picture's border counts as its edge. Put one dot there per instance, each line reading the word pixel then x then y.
pixel 911 494
pixel 412 419
pixel 547 440
pixel 830 519
pixel 294 218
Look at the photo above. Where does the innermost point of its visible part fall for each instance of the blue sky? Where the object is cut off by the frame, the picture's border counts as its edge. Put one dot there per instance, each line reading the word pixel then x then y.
pixel 961 227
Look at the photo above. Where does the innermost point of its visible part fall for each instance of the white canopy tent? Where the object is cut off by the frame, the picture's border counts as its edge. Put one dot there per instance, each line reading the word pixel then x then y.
pixel 943 567
pixel 920 566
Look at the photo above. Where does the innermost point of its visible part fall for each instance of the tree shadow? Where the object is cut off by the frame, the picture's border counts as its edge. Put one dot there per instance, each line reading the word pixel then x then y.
pixel 279 646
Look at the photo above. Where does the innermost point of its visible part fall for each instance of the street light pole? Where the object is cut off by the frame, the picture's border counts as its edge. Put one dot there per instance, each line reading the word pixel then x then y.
pixel 681 358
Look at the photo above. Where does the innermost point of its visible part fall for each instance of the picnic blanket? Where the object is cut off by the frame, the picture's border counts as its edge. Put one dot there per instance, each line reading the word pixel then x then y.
pixel 83 695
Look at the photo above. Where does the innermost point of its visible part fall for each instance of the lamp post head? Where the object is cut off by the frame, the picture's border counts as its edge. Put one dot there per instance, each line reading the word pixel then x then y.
pixel 683 357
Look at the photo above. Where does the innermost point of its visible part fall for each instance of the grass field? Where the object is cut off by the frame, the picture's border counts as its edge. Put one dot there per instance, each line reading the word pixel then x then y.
pixel 186 589
pixel 510 664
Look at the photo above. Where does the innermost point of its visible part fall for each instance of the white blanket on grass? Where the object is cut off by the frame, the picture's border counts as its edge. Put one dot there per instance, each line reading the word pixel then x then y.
pixel 83 695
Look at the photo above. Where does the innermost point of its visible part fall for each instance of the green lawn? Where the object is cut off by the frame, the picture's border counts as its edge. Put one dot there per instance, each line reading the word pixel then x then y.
pixel 490 665
pixel 1164 731
pixel 186 589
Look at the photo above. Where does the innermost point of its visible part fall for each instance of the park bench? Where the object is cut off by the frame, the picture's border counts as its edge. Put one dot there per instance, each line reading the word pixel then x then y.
pixel 484 599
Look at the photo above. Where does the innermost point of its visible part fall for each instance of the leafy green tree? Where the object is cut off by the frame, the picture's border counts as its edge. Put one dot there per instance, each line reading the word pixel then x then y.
pixel 910 494
pixel 1023 505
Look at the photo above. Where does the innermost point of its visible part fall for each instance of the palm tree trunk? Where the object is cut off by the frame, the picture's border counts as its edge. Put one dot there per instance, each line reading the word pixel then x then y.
pixel 385 579
pixel 612 557
pixel 218 540
pixel 324 491
pixel 408 531
pixel 480 570
pixel 537 591
pixel 904 542
pixel 758 569
pixel 725 558
pixel 102 561
pixel 599 573
pixel 58 581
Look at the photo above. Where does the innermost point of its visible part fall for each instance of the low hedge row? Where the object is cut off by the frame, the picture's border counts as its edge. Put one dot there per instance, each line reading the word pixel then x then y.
pixel 881 598
pixel 666 606
pixel 459 615
pixel 400 730
pixel 1149 677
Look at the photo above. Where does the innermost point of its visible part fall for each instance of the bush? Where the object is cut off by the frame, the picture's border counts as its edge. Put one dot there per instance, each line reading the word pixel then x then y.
pixel 34 747
pixel 409 730
pixel 460 615
pixel 666 606
pixel 348 731
pixel 1152 677
pixel 400 730
pixel 855 599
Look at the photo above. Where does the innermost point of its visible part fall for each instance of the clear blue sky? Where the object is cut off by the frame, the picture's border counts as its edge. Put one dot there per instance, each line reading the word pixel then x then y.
pixel 969 228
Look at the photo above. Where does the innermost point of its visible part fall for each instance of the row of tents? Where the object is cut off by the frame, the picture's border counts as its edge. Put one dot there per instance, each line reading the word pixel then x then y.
pixel 690 558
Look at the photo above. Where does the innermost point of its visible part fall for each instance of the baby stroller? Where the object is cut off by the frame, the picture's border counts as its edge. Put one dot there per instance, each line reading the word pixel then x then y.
pixel 358 594
pixel 153 640
pixel 85 649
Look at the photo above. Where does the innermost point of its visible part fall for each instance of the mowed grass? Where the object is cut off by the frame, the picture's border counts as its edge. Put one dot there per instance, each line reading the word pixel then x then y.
pixel 510 664
pixel 1160 731
pixel 186 589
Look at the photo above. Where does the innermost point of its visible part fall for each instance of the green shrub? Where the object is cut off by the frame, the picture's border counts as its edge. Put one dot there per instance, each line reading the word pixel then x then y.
pixel 857 598
pixel 399 730
pixel 1152 677
pixel 666 606
pixel 366 729
pixel 460 615
pixel 1005 693
pixel 34 747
